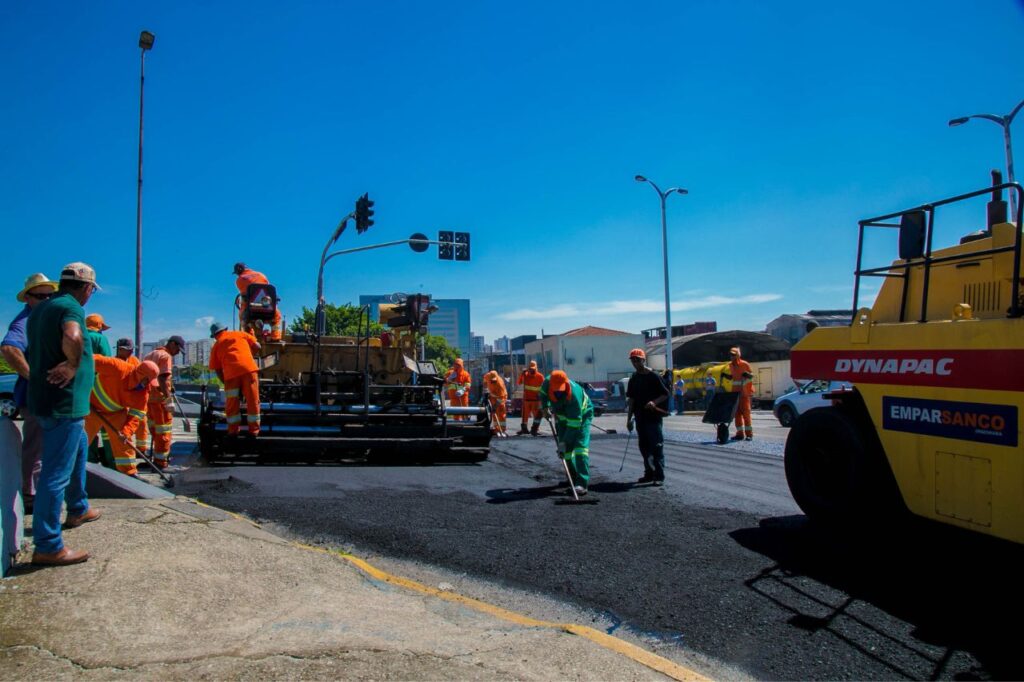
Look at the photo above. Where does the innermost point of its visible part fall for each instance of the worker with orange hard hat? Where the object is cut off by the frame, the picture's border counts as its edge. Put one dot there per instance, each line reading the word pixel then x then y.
pixel 531 379
pixel 117 405
pixel 645 395
pixel 233 360
pixel 458 383
pixel 498 396
pixel 568 403
pixel 94 328
pixel 159 417
pixel 245 277
pixel 743 383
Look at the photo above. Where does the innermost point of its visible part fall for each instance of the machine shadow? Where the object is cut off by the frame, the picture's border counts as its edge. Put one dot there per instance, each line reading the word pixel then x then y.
pixel 959 591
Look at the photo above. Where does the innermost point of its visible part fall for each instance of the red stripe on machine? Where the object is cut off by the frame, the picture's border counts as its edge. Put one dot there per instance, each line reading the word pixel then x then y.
pixel 999 370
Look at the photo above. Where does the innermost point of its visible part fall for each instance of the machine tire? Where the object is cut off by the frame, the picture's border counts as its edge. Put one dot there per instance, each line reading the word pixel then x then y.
pixel 832 469
pixel 787 415
pixel 8 403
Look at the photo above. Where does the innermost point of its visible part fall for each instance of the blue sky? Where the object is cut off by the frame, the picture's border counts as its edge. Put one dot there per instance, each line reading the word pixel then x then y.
pixel 522 123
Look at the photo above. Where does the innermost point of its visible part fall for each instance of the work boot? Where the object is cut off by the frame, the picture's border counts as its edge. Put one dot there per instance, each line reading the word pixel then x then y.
pixel 646 478
pixel 750 436
pixel 739 436
pixel 522 430
pixel 64 557
pixel 535 429
pixel 74 521
pixel 580 490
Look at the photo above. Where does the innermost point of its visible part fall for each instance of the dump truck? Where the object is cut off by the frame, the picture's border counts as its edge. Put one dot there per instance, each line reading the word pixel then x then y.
pixel 325 398
pixel 936 364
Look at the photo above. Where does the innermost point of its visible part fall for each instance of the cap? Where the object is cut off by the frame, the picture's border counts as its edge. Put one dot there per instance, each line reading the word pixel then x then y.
pixel 491 376
pixel 178 340
pixel 734 351
pixel 458 362
pixel 216 328
pixel 558 381
pixel 33 281
pixel 637 353
pixel 239 268
pixel 79 272
pixel 533 364
pixel 95 322
pixel 125 343
pixel 148 370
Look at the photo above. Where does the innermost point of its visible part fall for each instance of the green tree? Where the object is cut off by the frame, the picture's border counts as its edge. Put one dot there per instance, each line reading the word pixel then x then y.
pixel 437 350
pixel 342 320
pixel 5 368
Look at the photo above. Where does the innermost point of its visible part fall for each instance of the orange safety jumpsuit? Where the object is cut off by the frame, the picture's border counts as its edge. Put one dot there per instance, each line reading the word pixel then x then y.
pixel 743 382
pixel 248 277
pixel 498 396
pixel 159 417
pixel 459 383
pixel 233 360
pixel 531 379
pixel 117 405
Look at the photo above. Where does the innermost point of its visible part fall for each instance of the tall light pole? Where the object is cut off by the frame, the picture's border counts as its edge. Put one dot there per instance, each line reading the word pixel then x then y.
pixel 664 245
pixel 145 44
pixel 1005 122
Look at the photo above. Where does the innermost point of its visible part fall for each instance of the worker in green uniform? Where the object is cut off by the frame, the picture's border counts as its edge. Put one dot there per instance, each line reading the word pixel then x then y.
pixel 571 407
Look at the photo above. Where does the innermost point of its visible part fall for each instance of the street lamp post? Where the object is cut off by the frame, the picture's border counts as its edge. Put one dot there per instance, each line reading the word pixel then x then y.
pixel 1004 122
pixel 145 44
pixel 664 245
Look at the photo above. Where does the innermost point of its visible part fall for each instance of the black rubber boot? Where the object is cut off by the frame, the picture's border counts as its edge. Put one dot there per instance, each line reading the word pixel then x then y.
pixel 535 429
pixel 522 430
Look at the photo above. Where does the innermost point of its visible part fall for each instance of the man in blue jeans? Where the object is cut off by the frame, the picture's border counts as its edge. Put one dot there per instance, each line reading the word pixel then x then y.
pixel 60 381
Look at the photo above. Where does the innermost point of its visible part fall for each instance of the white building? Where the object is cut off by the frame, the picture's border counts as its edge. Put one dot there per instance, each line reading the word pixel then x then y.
pixel 592 354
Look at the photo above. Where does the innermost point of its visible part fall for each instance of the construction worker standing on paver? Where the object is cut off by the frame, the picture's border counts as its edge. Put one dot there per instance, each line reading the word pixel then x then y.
pixel 458 383
pixel 233 359
pixel 742 382
pixel 498 396
pixel 571 407
pixel 117 405
pixel 95 326
pixel 159 415
pixel 531 379
pixel 246 277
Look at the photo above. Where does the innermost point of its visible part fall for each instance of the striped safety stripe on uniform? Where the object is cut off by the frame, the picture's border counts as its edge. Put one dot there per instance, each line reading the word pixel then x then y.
pixel 105 401
pixel 231 393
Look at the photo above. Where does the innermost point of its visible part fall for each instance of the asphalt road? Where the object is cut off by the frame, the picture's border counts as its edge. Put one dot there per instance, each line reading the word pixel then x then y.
pixel 719 561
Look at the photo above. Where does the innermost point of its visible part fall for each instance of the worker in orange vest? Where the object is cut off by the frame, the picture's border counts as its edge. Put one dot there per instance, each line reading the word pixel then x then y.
pixel 117 405
pixel 498 395
pixel 159 415
pixel 458 382
pixel 233 360
pixel 743 383
pixel 247 276
pixel 531 379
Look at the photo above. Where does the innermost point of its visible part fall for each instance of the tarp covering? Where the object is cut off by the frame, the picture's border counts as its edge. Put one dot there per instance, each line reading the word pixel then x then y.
pixel 714 346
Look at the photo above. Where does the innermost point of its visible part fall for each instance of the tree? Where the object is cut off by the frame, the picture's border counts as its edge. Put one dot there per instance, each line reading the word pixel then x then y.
pixel 5 367
pixel 342 320
pixel 437 350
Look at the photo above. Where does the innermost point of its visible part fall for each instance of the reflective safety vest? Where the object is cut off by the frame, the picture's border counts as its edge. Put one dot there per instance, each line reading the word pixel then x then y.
pixel 458 379
pixel 742 377
pixel 531 384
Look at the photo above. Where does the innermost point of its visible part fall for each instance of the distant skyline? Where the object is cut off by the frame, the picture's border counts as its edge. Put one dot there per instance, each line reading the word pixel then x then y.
pixel 522 124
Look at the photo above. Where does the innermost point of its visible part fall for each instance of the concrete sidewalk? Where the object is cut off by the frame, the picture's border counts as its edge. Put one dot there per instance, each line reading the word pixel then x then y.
pixel 177 590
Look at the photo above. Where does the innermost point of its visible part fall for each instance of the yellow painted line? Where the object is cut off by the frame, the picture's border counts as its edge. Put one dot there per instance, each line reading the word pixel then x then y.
pixel 638 654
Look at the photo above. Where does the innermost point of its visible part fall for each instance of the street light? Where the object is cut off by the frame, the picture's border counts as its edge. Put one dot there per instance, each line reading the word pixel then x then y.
pixel 664 245
pixel 1005 122
pixel 145 44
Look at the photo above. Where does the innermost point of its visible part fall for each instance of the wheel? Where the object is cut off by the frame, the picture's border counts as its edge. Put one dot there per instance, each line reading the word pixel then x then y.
pixel 7 405
pixel 787 415
pixel 834 471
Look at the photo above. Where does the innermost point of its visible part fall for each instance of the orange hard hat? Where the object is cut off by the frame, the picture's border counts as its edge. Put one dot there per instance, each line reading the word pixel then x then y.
pixel 96 323
pixel 637 353
pixel 491 376
pixel 147 370
pixel 558 381
pixel 533 364
pixel 458 362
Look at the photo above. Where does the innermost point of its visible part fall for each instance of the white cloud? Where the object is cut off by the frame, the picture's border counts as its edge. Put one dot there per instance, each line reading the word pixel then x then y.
pixel 204 321
pixel 631 307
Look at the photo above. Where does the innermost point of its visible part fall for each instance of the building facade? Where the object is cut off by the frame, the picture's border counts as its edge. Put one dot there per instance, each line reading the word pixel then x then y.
pixel 592 354
pixel 792 327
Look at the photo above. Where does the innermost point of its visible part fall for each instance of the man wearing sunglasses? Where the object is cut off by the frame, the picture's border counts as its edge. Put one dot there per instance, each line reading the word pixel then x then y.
pixel 38 288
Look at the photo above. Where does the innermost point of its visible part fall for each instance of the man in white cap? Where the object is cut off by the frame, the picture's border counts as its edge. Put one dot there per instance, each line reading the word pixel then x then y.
pixel 59 385
pixel 14 345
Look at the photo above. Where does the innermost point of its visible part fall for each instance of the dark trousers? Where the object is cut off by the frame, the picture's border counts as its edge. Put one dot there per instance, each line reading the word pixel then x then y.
pixel 650 440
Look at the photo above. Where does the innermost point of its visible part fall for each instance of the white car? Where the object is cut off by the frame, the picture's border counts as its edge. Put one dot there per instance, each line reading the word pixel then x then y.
pixel 7 382
pixel 809 396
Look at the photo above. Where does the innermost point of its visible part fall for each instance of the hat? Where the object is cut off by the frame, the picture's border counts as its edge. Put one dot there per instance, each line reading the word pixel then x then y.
pixel 79 272
pixel 125 343
pixel 558 381
pixel 33 281
pixel 458 362
pixel 95 322
pixel 491 376
pixel 637 353
pixel 148 370
pixel 734 351
pixel 178 340
pixel 239 268
pixel 216 328
pixel 533 364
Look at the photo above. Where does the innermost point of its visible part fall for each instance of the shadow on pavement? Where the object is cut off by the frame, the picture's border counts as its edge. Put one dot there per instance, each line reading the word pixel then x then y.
pixel 959 591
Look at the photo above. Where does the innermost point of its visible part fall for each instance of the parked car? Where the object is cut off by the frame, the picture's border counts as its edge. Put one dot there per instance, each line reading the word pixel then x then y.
pixel 809 396
pixel 598 398
pixel 7 382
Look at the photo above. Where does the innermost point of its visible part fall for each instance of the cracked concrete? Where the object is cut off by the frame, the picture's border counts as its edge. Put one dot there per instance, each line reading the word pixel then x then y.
pixel 179 591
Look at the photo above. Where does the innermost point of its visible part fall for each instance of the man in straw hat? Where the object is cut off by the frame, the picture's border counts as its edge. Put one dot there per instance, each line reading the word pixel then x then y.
pixel 14 345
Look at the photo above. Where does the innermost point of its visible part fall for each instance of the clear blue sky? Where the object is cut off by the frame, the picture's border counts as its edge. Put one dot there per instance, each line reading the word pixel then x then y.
pixel 522 123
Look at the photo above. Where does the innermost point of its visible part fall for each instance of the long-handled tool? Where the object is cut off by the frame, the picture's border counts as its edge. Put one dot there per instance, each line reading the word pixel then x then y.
pixel 628 438
pixel 576 499
pixel 186 423
pixel 609 431
pixel 167 479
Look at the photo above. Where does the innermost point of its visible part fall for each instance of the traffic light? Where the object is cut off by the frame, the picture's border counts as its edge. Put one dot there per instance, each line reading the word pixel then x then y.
pixel 446 247
pixel 462 246
pixel 364 213
pixel 412 312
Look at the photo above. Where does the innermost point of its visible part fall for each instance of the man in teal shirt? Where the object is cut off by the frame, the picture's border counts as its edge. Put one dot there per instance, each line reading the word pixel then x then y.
pixel 60 381
pixel 95 326
pixel 573 413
